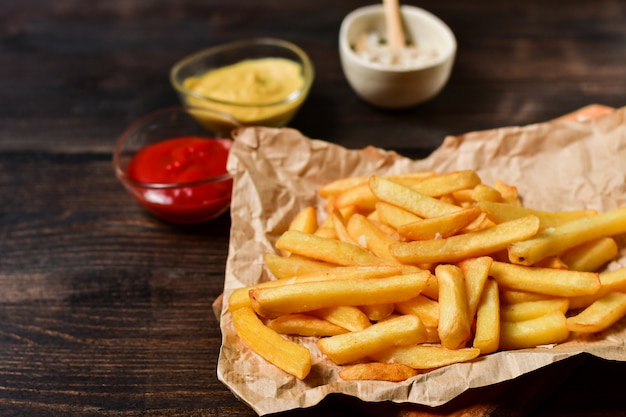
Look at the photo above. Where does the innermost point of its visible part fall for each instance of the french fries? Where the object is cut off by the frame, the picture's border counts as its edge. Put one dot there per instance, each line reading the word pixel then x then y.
pixel 397 275
pixel 289 356
pixel 454 321
pixel 378 371
pixel 350 347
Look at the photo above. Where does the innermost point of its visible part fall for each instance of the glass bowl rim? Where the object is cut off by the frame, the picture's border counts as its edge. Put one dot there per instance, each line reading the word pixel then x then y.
pixel 307 69
pixel 124 178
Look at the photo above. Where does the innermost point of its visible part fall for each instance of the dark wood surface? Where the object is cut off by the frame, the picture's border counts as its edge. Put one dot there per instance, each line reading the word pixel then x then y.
pixel 106 311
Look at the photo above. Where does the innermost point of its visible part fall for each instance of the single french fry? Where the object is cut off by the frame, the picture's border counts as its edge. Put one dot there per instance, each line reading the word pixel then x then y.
pixel 510 296
pixel 441 226
pixel 610 281
pixel 377 371
pixel 302 297
pixel 508 192
pixel 439 185
pixel 487 333
pixel 305 220
pixel 555 282
pixel 378 312
pixel 479 223
pixel 404 197
pixel 547 329
pixel 554 262
pixel 483 192
pixel 426 357
pixel 288 266
pixel 350 347
pixel 476 271
pixel 559 239
pixel 342 184
pixel 349 317
pixel 423 307
pixel 240 297
pixel 363 231
pixel 592 255
pixel 458 247
pixel 533 309
pixel 389 231
pixel 360 196
pixel 304 325
pixel 600 315
pixel 394 216
pixel 289 356
pixel 339 223
pixel 503 212
pixel 328 250
pixel 454 322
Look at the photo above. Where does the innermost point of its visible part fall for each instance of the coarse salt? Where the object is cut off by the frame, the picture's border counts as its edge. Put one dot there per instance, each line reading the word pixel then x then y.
pixel 372 47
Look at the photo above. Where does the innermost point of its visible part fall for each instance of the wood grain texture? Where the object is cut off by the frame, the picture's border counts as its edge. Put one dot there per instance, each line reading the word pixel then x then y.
pixel 107 311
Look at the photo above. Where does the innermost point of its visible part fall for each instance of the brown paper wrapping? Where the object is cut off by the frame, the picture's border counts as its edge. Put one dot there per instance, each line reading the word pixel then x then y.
pixel 559 165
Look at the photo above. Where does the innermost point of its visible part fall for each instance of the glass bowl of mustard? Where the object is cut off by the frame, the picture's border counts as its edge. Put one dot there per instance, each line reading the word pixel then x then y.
pixel 258 82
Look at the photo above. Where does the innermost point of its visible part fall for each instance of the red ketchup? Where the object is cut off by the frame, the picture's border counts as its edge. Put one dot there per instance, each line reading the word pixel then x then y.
pixel 183 160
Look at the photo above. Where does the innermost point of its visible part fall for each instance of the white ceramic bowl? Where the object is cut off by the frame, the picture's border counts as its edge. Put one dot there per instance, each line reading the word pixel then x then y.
pixel 396 87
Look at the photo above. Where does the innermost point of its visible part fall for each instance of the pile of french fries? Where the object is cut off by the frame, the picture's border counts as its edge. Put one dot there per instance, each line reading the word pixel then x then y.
pixel 401 274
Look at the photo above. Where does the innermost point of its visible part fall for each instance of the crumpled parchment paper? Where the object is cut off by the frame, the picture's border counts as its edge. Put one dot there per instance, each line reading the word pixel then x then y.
pixel 558 165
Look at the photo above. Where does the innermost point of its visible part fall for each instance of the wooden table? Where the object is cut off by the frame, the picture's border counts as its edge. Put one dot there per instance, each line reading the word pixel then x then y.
pixel 106 311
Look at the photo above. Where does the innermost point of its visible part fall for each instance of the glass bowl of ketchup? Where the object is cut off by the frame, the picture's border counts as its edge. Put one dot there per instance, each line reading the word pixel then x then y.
pixel 175 167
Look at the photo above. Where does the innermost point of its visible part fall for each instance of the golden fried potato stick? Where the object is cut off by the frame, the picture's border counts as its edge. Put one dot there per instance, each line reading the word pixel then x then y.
pixel 289 356
pixel 554 262
pixel 377 371
pixel 378 312
pixel 394 216
pixel 511 296
pixel 426 357
pixel 240 297
pixel 423 307
pixel 487 333
pixel 359 196
pixel 533 309
pixel 508 192
pixel 476 271
pixel 353 346
pixel 441 226
pixel 555 282
pixel 454 322
pixel 504 212
pixel 339 223
pixel 349 317
pixel 328 250
pixel 544 330
pixel 610 281
pixel 600 315
pixel 404 197
pixel 307 296
pixel 592 255
pixel 335 187
pixel 305 220
pixel 458 247
pixel 556 240
pixel 338 186
pixel 370 237
pixel 480 192
pixel 283 267
pixel 439 185
pixel 304 325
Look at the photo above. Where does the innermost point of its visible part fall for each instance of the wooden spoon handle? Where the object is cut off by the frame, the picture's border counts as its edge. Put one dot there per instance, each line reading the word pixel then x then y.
pixel 395 34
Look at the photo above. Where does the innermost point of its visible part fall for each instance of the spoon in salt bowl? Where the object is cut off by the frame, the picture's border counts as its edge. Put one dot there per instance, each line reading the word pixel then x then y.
pixel 392 48
pixel 395 33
